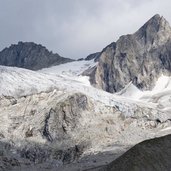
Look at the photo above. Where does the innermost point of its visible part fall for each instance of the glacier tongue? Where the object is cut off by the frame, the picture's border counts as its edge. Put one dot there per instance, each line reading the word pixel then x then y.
pixel 67 77
pixel 58 105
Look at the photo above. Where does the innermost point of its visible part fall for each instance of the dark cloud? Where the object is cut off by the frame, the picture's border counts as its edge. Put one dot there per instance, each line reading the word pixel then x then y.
pixel 75 28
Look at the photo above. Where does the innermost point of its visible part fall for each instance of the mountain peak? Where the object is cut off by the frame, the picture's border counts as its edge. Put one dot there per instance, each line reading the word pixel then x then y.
pixel 139 58
pixel 155 17
pixel 157 20
pixel 156 31
pixel 30 55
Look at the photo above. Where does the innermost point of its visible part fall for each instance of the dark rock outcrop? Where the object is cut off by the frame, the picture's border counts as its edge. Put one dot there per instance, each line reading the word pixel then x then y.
pixel 93 56
pixel 66 115
pixel 30 56
pixel 139 58
pixel 30 157
pixel 149 155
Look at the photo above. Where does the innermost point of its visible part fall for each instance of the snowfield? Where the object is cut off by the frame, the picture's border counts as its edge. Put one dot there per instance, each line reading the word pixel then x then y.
pixel 19 82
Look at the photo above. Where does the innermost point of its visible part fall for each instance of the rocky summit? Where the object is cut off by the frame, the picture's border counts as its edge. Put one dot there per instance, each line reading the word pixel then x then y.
pixel 140 58
pixel 31 56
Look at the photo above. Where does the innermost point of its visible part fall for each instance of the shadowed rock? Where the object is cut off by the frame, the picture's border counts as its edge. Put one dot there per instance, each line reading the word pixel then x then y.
pixel 93 56
pixel 149 155
pixel 30 56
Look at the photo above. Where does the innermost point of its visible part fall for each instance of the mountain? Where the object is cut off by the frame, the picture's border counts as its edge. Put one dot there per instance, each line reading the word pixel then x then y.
pixel 140 58
pixel 54 119
pixel 31 56
pixel 152 155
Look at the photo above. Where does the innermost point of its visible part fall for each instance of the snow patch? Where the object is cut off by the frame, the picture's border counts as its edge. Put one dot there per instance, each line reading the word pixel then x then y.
pixel 75 68
pixel 159 95
pixel 131 91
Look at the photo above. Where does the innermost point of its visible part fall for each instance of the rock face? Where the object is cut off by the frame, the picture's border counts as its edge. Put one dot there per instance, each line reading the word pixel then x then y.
pixel 139 58
pixel 154 154
pixel 45 135
pixel 30 56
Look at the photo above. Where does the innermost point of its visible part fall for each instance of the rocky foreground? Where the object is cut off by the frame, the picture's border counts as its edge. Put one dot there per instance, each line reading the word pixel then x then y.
pixel 153 155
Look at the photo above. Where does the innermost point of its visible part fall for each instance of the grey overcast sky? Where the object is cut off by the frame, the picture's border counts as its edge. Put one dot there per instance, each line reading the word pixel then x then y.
pixel 75 28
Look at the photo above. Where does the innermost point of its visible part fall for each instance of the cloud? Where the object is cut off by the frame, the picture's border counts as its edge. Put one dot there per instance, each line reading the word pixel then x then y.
pixel 75 28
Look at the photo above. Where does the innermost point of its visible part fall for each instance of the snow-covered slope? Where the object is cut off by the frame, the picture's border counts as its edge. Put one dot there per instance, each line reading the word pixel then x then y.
pixel 19 82
pixel 67 77
pixel 71 69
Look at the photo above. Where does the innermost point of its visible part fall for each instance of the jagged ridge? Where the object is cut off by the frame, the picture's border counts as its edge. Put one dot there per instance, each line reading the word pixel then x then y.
pixel 30 56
